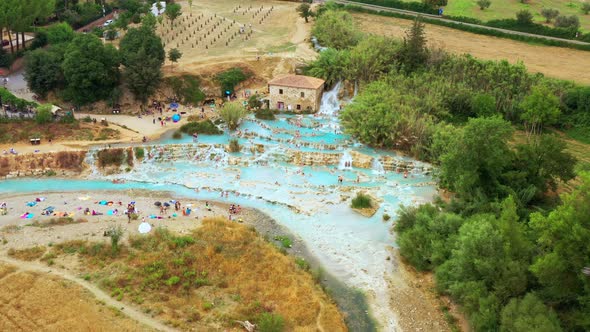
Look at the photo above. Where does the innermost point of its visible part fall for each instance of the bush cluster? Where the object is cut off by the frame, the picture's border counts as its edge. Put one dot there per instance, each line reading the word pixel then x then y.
pixel 361 201
pixel 110 157
pixel 202 127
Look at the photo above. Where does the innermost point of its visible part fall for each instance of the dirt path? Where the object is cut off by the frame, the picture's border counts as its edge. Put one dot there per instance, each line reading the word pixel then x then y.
pixel 558 62
pixel 98 293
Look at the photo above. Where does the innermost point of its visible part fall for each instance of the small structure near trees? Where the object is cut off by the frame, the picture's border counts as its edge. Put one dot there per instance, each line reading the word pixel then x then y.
pixel 296 93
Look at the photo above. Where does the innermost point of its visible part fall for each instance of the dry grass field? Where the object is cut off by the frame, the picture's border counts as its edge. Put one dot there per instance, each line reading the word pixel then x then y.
pixel 206 280
pixel 563 63
pixel 208 34
pixel 34 302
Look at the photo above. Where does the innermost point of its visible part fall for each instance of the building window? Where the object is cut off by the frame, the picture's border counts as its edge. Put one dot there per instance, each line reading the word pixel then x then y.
pixel 303 95
pixel 299 106
pixel 280 91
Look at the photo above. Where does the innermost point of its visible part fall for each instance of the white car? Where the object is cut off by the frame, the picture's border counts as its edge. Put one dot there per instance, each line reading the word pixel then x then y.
pixel 107 23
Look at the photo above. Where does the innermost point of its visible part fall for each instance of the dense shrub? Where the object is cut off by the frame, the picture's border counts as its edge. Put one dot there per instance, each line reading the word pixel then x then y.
pixel 232 114
pixel 563 21
pixel 139 152
pixel 265 114
pixel 361 201
pixel 203 127
pixel 271 323
pixel 44 114
pixel 177 134
pixel 186 88
pixel 421 7
pixel 234 145
pixel 108 157
pixel 60 33
pixel 336 29
pixel 229 79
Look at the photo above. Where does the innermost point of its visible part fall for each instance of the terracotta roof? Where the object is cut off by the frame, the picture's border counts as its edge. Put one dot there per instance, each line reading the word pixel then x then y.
pixel 297 81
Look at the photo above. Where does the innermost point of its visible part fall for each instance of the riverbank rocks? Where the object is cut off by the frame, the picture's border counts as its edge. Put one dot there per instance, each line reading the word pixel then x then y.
pixel 62 163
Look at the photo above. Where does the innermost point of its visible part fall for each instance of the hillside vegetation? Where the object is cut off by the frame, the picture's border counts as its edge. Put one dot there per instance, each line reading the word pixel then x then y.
pixel 220 273
pixel 504 246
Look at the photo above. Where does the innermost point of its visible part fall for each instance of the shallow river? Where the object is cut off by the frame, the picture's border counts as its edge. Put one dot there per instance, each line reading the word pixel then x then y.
pixel 306 199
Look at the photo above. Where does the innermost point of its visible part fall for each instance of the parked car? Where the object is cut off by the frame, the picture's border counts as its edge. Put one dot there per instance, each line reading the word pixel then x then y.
pixel 5 42
pixel 107 23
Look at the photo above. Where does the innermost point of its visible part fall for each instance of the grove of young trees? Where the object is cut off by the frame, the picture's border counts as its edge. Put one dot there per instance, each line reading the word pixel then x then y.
pixel 505 246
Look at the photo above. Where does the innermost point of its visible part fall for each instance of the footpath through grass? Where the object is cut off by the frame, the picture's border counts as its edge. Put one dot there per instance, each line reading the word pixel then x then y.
pixel 208 279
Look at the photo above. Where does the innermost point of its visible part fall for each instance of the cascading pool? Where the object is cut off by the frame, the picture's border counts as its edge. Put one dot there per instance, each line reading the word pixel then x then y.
pixel 306 199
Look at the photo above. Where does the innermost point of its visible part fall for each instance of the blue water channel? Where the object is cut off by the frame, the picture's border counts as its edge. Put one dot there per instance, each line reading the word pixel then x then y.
pixel 306 199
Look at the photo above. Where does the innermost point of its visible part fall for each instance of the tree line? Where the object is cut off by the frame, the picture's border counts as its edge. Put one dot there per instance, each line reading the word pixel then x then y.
pixel 505 246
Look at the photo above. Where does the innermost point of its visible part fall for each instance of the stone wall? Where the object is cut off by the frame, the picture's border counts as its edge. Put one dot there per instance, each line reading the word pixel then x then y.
pixel 292 96
pixel 53 163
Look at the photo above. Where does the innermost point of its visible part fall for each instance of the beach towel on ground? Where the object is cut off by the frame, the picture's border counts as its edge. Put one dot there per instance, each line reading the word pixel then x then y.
pixel 31 204
pixel 103 202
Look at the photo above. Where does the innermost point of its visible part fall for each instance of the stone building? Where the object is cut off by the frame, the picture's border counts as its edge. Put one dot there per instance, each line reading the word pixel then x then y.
pixel 295 93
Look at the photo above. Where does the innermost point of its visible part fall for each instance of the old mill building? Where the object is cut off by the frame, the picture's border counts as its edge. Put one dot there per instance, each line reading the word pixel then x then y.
pixel 295 93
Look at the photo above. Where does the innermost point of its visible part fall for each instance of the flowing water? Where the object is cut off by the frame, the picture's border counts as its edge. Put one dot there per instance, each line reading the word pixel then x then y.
pixel 302 194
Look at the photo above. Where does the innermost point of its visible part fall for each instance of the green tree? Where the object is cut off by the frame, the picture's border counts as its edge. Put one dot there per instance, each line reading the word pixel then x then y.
pixel 538 166
pixel 414 52
pixel 143 75
pixel 540 108
pixel 232 113
pixel 60 33
pixel 190 3
pixel 140 38
pixel 149 22
pixel 173 11
pixel 331 65
pixel 91 69
pixel 336 28
pixel 483 4
pixel 381 115
pixel 304 11
pixel 572 22
pixel 488 265
pixel 111 34
pixel 229 79
pixel 483 104
pixel 524 17
pixel 186 88
pixel 562 240
pixel 585 7
pixel 549 14
pixel 43 71
pixel 44 114
pixel 371 58
pixel 426 236
pixel 474 166
pixel 528 314
pixel 174 55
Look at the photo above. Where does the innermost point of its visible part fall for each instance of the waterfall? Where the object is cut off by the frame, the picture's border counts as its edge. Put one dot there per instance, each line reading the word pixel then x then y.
pixel 330 103
pixel 345 161
pixel 316 45
pixel 90 160
pixel 377 167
